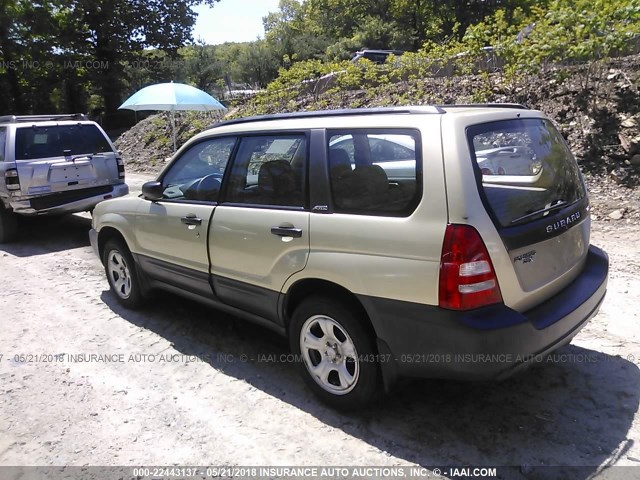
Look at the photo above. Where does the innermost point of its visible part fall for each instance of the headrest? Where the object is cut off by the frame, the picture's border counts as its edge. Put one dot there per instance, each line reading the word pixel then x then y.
pixel 276 177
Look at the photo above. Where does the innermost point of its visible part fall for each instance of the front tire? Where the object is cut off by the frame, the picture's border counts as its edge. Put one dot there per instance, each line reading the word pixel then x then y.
pixel 8 226
pixel 122 275
pixel 338 359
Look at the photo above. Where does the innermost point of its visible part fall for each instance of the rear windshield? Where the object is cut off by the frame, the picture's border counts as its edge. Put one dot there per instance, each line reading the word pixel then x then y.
pixel 527 169
pixel 35 142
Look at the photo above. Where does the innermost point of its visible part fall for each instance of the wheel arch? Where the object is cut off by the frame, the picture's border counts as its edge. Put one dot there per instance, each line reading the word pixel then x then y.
pixel 110 233
pixel 306 288
pixel 309 287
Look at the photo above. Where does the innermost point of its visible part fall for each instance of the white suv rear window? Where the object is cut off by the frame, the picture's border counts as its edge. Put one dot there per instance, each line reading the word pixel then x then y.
pixel 36 141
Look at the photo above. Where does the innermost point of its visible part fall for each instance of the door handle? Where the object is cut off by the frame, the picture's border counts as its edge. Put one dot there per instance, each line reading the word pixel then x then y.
pixel 287 232
pixel 191 219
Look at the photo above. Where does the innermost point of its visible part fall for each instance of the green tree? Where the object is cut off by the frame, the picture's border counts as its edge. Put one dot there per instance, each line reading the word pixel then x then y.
pixel 202 67
pixel 73 48
pixel 290 34
pixel 108 32
pixel 27 32
pixel 258 64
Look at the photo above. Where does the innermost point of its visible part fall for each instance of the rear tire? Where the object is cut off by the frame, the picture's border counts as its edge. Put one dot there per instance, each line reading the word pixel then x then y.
pixel 8 226
pixel 122 274
pixel 338 359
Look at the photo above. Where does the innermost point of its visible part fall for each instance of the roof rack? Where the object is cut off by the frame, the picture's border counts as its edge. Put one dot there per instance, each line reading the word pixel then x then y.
pixel 486 105
pixel 420 109
pixel 334 113
pixel 42 118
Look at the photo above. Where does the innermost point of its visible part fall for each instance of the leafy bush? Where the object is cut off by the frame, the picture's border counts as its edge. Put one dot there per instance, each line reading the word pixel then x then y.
pixel 515 43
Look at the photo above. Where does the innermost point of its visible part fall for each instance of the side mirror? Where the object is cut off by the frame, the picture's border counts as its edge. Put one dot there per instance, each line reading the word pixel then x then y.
pixel 152 191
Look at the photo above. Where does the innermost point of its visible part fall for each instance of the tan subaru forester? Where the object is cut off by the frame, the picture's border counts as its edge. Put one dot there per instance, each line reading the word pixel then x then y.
pixel 432 241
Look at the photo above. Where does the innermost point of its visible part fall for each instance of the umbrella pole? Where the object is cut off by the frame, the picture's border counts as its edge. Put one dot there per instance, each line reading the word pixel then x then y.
pixel 173 129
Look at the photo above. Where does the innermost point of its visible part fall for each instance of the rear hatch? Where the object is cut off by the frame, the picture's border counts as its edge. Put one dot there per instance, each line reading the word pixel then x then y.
pixel 533 190
pixel 60 157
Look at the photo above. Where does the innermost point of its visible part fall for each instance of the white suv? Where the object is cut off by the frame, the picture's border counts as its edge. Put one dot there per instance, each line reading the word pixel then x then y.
pixel 54 164
pixel 378 240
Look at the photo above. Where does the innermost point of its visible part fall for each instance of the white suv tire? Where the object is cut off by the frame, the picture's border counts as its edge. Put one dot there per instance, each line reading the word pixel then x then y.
pixel 8 226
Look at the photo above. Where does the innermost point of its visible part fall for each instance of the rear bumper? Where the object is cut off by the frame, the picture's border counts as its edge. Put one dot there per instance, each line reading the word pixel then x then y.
pixel 71 201
pixel 488 343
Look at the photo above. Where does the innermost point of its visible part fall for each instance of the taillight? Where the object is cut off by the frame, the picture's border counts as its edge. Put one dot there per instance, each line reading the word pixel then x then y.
pixel 120 163
pixel 467 277
pixel 11 179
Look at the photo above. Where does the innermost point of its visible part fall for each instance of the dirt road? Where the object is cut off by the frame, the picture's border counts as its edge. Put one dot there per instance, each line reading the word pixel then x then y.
pixel 85 382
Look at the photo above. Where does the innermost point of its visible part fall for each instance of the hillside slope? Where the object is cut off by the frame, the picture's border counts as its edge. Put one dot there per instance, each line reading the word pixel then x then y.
pixel 596 109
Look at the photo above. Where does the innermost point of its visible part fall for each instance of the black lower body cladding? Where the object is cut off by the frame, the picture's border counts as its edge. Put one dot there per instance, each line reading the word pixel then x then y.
pixel 488 343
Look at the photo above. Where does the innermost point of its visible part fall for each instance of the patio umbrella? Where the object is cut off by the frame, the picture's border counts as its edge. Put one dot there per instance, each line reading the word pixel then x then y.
pixel 171 97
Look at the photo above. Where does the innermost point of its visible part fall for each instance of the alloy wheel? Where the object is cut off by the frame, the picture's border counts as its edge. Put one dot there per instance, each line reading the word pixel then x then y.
pixel 329 354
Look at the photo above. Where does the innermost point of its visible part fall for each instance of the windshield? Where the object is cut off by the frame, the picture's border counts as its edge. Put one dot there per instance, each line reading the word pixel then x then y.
pixel 36 141
pixel 527 169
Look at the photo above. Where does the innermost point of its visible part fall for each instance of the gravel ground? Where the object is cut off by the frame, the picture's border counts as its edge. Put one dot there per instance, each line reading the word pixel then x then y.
pixel 180 384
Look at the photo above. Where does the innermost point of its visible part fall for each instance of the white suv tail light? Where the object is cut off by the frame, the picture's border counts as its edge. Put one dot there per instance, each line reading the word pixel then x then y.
pixel 120 163
pixel 11 179
pixel 467 277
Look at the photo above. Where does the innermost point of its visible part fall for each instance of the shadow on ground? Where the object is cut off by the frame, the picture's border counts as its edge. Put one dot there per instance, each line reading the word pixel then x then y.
pixel 574 410
pixel 41 235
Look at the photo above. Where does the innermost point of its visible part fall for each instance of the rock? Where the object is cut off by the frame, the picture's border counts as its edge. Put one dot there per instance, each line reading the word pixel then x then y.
pixel 624 142
pixel 613 75
pixel 629 122
pixel 619 175
pixel 616 215
pixel 635 160
pixel 618 156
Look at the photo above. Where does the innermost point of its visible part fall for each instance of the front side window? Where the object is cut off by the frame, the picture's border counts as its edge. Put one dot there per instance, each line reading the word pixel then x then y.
pixel 197 174
pixel 527 169
pixel 36 141
pixel 269 170
pixel 374 172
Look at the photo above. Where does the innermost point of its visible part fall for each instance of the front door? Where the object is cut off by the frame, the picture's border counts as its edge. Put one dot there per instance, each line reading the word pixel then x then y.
pixel 172 232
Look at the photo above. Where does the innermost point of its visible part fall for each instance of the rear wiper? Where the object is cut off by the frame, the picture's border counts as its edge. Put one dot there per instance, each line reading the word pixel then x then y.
pixel 560 204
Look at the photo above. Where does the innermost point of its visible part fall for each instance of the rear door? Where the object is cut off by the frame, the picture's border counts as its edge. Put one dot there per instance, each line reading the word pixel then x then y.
pixel 533 191
pixel 383 237
pixel 56 157
pixel 260 232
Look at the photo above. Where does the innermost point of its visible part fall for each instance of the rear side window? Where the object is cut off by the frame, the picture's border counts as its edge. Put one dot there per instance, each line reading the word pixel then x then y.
pixel 374 172
pixel 526 167
pixel 36 141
